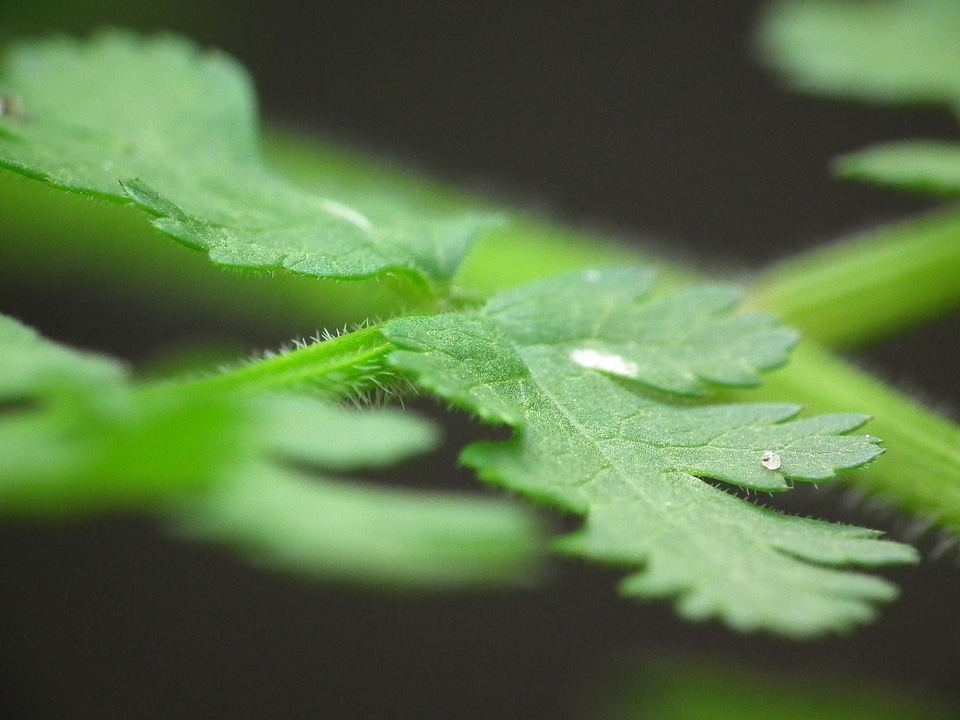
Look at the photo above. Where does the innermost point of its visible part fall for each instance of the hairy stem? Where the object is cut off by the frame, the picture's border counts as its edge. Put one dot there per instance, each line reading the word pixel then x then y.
pixel 335 368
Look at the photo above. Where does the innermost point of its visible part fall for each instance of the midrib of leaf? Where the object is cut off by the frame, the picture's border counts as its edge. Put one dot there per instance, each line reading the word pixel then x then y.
pixel 836 295
pixel 911 262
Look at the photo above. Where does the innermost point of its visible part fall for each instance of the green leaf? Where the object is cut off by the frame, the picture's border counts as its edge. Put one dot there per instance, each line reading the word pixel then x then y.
pixel 924 166
pixel 366 534
pixel 592 371
pixel 263 472
pixel 881 50
pixel 174 130
pixel 31 365
pixel 289 506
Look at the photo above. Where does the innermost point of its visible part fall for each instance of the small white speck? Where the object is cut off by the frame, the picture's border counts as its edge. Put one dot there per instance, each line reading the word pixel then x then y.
pixel 608 362
pixel 592 276
pixel 770 460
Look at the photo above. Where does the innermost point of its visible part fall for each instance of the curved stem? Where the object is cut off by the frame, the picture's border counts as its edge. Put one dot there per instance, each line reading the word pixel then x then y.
pixel 853 293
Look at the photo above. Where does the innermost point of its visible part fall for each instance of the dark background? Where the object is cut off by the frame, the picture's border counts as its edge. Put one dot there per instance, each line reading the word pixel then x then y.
pixel 651 120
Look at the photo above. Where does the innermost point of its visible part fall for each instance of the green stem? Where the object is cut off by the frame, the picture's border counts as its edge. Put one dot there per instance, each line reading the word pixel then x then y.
pixel 854 293
pixel 336 368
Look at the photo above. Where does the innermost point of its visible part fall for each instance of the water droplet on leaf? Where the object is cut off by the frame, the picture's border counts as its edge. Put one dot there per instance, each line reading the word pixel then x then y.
pixel 770 460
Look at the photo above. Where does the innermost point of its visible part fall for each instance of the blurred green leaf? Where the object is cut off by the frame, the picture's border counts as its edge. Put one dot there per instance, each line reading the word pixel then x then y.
pixel 265 472
pixel 173 129
pixel 879 50
pixel 923 166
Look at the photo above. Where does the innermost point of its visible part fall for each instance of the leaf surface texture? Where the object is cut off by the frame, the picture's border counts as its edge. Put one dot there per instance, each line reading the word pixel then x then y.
pixel 623 444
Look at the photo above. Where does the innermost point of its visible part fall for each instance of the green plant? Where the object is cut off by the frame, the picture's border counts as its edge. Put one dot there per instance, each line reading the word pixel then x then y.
pixel 625 387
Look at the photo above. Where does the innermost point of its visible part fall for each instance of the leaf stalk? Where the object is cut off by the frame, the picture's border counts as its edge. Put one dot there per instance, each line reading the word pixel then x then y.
pixel 335 368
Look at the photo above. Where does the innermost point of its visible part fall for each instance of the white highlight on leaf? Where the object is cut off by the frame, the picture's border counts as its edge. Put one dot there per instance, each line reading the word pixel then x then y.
pixel 770 460
pixel 347 213
pixel 608 362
